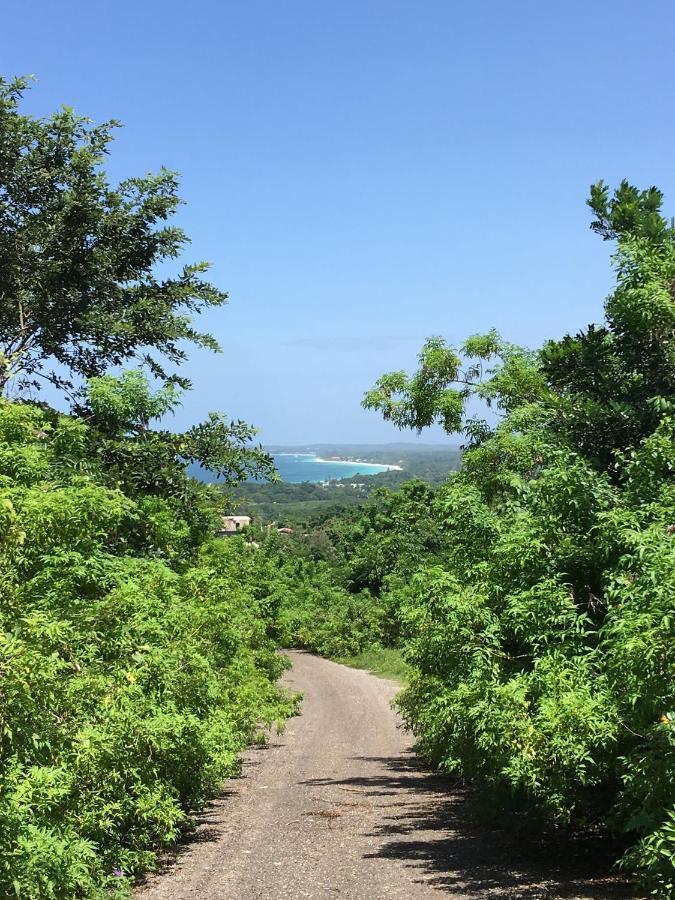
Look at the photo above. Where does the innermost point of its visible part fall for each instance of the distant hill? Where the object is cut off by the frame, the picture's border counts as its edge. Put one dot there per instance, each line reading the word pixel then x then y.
pixel 406 448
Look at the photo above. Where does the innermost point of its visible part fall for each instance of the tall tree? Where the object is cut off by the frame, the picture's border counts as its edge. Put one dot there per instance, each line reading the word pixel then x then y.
pixel 79 257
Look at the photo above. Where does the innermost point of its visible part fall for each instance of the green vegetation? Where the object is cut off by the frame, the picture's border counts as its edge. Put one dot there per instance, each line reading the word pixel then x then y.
pixel 136 661
pixel 530 595
pixel 309 505
pixel 303 504
pixel 136 657
pixel 533 594
pixel 387 662
pixel 78 257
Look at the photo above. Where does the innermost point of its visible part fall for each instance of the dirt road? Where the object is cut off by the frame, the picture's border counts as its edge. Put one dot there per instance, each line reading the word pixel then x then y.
pixel 339 808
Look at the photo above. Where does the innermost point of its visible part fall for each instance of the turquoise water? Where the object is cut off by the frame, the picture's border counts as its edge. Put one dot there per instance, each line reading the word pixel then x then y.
pixel 298 467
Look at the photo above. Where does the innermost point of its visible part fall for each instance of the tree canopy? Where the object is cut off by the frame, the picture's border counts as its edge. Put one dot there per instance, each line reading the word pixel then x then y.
pixel 86 278
pixel 532 595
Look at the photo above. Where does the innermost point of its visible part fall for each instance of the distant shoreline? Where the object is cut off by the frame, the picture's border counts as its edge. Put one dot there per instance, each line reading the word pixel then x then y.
pixel 342 462
pixel 356 462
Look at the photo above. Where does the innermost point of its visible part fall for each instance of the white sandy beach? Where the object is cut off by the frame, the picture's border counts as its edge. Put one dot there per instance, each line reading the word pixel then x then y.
pixel 351 462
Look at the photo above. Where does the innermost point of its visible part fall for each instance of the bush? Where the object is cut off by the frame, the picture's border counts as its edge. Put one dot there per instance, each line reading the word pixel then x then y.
pixel 134 667
pixel 540 632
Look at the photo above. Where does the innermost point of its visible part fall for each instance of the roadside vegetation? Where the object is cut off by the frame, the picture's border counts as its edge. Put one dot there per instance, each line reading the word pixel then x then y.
pixel 530 595
pixel 136 659
pixel 533 594
pixel 386 662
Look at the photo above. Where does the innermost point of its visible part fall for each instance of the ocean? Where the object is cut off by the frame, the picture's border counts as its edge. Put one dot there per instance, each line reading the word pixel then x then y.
pixel 299 467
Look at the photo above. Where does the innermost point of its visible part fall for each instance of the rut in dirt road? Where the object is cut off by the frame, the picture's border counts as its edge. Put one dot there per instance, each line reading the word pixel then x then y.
pixel 339 807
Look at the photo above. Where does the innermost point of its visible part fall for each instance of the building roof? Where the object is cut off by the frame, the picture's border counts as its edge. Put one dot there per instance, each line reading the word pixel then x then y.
pixel 235 523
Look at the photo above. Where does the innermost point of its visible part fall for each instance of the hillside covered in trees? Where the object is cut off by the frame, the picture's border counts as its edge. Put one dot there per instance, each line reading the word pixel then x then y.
pixel 531 593
pixel 308 504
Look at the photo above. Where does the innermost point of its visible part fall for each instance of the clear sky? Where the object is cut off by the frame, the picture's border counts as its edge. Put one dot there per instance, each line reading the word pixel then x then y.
pixel 363 174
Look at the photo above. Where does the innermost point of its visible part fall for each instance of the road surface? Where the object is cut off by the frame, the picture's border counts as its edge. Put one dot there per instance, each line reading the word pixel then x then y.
pixel 338 807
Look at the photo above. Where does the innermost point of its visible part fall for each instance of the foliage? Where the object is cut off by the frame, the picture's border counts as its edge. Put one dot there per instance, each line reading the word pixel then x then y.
pixel 538 623
pixel 79 290
pixel 447 378
pixel 314 611
pixel 135 658
pixel 386 662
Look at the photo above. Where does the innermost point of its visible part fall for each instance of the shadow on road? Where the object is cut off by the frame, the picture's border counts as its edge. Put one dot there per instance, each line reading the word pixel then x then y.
pixel 428 822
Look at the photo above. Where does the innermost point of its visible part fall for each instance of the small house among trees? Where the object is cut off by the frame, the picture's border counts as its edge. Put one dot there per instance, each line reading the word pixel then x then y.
pixel 234 524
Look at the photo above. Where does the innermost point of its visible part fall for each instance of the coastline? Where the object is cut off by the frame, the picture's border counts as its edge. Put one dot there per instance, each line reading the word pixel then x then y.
pixel 352 462
pixel 310 456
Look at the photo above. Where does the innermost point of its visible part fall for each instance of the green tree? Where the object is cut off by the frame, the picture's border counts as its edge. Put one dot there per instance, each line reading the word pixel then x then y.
pixel 80 288
pixel 486 367
pixel 540 637
pixel 135 664
pixel 614 382
pixel 151 464
pixel 136 650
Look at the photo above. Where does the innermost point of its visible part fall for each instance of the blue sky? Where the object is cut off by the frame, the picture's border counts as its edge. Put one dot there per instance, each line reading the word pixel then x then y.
pixel 363 174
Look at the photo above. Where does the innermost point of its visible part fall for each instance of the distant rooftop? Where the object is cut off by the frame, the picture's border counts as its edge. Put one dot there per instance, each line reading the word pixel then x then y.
pixel 233 524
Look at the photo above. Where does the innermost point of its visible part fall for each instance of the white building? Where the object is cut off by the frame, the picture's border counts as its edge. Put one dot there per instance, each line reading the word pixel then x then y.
pixel 233 524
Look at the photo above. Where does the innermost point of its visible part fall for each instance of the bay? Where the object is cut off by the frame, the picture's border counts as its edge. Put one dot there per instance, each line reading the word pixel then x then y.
pixel 298 467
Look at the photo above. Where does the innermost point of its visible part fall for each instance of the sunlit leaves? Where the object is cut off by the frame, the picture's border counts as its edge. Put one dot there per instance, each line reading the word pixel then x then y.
pixel 80 259
pixel 540 632
pixel 135 660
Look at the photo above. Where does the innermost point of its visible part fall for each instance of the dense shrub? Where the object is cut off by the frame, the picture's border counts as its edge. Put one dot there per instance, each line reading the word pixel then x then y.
pixel 131 670
pixel 534 593
pixel 135 660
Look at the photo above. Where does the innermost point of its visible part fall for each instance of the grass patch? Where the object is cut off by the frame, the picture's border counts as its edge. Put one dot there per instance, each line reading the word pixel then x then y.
pixel 385 662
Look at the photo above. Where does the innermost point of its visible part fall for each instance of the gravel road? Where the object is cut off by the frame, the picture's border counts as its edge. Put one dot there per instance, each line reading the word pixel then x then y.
pixel 338 807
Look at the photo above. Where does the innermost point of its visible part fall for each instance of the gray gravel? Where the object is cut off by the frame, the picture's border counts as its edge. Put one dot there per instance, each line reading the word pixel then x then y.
pixel 339 807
